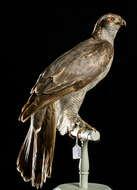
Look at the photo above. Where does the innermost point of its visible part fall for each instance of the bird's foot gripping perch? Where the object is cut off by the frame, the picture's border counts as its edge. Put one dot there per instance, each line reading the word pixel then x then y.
pixel 84 131
pixel 82 125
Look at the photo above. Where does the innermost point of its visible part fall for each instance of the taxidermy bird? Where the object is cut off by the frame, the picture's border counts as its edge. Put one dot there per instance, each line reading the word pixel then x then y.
pixel 56 98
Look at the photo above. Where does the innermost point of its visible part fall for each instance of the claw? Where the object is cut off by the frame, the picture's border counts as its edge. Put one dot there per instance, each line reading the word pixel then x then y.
pixel 69 134
pixel 94 129
pixel 86 125
pixel 80 130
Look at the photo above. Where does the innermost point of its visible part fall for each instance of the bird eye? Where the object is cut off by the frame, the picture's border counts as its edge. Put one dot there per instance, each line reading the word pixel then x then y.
pixel 111 19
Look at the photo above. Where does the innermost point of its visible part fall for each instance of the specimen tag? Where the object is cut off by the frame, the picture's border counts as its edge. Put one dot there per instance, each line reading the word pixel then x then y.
pixel 76 151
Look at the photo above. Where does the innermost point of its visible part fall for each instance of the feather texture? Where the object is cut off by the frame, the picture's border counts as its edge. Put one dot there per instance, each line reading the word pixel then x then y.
pixel 58 94
pixel 36 155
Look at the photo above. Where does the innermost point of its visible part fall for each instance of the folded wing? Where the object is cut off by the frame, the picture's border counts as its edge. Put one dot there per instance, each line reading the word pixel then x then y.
pixel 70 72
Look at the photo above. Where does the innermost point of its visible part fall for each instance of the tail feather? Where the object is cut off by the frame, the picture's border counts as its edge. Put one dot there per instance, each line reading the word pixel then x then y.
pixel 36 155
pixel 24 160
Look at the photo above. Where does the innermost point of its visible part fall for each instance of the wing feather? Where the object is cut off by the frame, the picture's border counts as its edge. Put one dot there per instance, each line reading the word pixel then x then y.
pixel 79 63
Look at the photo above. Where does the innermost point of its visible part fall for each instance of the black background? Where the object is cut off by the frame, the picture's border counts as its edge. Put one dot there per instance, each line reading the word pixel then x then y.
pixel 40 37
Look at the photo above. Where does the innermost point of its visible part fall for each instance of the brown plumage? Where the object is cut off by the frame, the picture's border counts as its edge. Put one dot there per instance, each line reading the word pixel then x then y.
pixel 36 154
pixel 58 94
pixel 59 85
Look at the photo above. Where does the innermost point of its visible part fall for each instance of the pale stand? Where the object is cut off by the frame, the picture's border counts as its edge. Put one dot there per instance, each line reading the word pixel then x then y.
pixel 84 164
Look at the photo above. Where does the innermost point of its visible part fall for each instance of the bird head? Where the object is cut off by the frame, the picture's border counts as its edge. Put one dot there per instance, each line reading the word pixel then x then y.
pixel 108 25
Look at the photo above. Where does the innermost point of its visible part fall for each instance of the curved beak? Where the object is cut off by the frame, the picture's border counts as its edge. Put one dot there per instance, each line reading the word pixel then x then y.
pixel 123 22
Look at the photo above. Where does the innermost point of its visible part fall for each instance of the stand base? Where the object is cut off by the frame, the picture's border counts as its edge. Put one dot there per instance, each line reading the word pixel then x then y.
pixel 75 186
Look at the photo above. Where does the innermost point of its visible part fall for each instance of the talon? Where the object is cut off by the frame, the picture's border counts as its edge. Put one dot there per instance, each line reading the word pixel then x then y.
pixel 94 129
pixel 69 134
pixel 90 127
pixel 80 130
pixel 85 124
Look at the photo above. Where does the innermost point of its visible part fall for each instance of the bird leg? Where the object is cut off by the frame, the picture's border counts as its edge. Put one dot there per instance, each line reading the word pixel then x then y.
pixel 84 125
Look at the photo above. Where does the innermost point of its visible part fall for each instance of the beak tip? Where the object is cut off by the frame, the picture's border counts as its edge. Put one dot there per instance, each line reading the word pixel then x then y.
pixel 123 23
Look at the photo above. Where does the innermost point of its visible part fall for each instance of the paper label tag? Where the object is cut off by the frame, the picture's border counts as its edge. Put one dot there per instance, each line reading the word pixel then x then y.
pixel 76 152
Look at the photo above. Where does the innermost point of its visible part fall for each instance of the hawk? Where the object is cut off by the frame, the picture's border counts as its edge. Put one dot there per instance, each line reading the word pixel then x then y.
pixel 56 97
